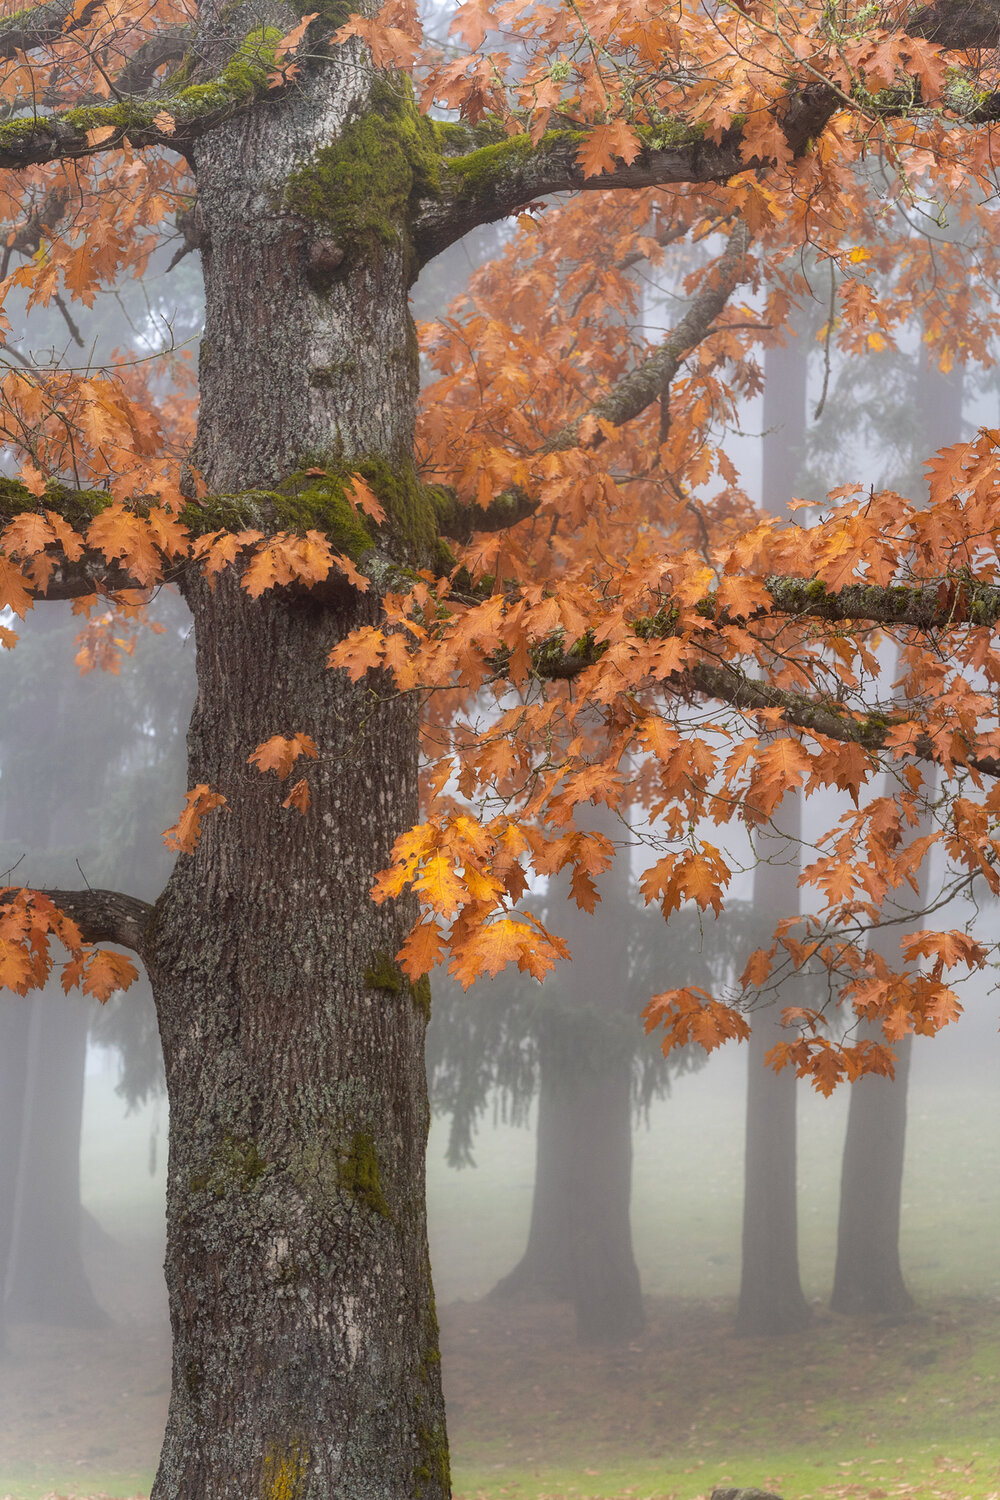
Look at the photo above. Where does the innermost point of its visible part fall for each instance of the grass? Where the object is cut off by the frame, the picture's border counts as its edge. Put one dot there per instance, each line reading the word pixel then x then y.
pixel 841 1409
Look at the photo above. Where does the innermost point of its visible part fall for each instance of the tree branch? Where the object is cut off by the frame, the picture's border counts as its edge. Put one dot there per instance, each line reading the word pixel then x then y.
pixel 458 522
pixel 106 916
pixel 41 25
pixel 67 134
pixel 494 181
pixel 650 381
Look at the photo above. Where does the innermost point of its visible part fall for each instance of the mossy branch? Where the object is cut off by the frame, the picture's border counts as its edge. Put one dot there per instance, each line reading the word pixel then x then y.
pixel 193 110
pixel 458 522
pixel 40 25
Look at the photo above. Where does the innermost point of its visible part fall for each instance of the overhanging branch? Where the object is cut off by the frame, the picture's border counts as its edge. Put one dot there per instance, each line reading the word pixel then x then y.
pixel 106 916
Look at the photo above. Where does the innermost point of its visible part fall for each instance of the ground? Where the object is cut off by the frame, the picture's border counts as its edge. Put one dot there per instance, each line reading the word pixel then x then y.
pixel 905 1411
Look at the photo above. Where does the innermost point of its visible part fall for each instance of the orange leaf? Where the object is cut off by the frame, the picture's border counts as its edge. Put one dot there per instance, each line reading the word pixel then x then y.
pixel 280 754
pixel 13 588
pixel 186 832
pixel 603 143
pixel 298 797
pixel 362 498
pixel 422 949
pixel 439 885
pixel 105 972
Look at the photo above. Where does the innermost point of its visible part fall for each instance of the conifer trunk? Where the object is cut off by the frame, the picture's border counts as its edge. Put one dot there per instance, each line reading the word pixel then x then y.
pixel 771 1299
pixel 305 1343
pixel 580 1240
pixel 46 1279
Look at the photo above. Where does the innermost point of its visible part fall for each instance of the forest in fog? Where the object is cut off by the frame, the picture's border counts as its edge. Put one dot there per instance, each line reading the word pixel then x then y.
pixel 642 1262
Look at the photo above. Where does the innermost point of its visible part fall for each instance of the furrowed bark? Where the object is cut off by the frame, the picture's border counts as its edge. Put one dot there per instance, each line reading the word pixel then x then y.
pixel 305 1342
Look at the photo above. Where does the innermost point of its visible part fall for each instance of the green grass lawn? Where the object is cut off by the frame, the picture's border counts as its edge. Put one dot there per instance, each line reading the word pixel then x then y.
pixel 840 1409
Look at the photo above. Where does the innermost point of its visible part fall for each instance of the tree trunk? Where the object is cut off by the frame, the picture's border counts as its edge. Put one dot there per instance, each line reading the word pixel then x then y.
pixel 545 1269
pixel 46 1281
pixel 43 1048
pixel 868 1277
pixel 580 1239
pixel 305 1342
pixel 15 1025
pixel 771 1299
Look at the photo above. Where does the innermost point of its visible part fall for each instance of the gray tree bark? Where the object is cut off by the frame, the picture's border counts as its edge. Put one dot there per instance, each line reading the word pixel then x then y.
pixel 305 1342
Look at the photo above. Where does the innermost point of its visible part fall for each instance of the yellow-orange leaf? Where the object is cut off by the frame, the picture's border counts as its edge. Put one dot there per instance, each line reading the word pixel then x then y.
pixel 363 498
pixel 439 886
pixel 105 972
pixel 13 588
pixel 421 950
pixel 15 966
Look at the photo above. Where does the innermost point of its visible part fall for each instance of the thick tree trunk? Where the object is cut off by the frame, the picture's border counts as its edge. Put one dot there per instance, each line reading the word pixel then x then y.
pixel 771 1299
pixel 46 1281
pixel 580 1239
pixel 305 1342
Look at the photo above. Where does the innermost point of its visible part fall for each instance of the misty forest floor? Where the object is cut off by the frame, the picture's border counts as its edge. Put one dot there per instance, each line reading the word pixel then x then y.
pixel 909 1411
pixel 841 1410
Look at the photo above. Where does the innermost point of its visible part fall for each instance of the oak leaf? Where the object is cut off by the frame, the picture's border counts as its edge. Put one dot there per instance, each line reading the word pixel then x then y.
pixel 185 833
pixel 280 753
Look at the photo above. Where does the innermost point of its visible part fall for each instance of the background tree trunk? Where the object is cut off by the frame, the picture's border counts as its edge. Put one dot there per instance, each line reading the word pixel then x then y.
pixel 771 1299
pixel 46 1281
pixel 15 1022
pixel 43 1039
pixel 868 1276
pixel 580 1238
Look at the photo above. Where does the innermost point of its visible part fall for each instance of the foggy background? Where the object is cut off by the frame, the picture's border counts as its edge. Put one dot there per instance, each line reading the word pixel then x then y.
pixel 582 1332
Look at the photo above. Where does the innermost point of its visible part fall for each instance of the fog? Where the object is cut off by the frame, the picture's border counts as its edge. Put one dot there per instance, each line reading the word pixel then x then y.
pixel 588 1308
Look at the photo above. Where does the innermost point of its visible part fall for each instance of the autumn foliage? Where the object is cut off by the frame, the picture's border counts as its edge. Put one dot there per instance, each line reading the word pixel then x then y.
pixel 641 636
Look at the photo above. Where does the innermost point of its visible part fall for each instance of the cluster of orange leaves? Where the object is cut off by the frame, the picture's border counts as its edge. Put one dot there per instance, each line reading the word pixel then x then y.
pixel 29 921
pixel 634 524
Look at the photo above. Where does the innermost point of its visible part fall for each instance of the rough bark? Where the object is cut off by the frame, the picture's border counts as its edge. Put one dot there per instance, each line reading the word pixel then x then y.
pixel 305 1344
pixel 771 1300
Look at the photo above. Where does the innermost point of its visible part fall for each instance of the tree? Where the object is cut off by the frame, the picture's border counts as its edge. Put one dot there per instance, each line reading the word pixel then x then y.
pixel 576 1045
pixel 298 531
pixel 868 1276
pixel 771 1300
pixel 115 766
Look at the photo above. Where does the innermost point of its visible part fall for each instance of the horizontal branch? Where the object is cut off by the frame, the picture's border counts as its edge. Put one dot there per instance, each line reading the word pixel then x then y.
pixel 192 111
pixel 458 521
pixel 494 181
pixel 871 732
pixel 106 916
